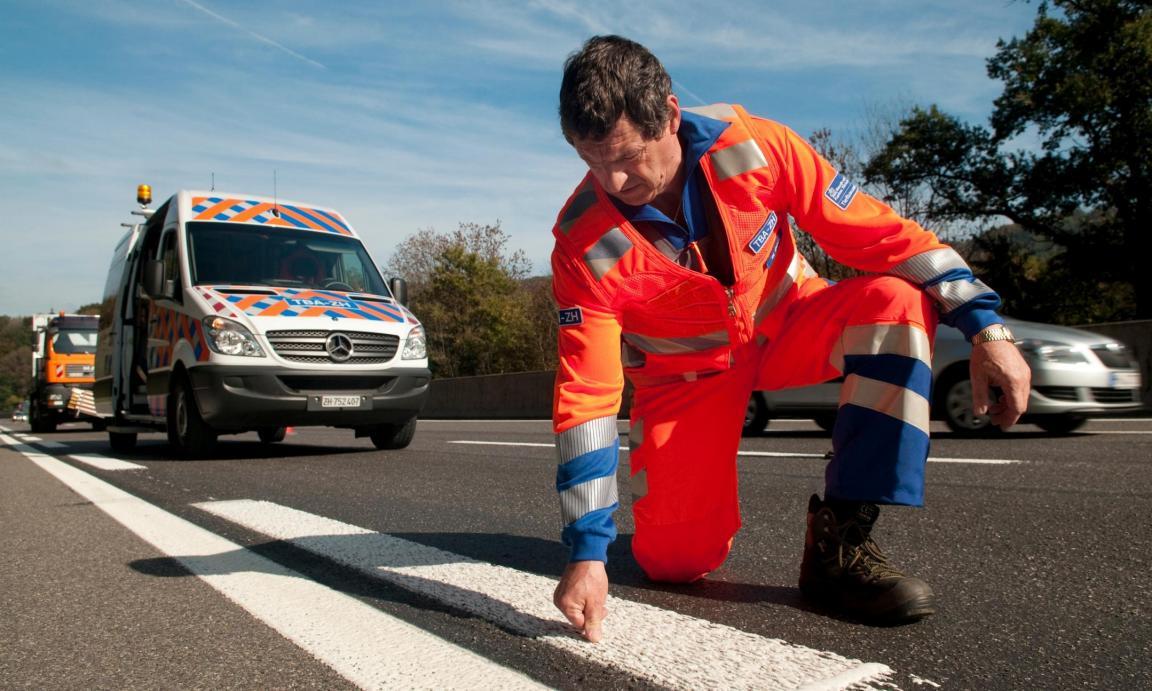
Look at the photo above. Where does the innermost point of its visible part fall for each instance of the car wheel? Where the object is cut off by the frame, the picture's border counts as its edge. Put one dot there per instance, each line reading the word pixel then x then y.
pixel 187 431
pixel 1060 424
pixel 271 435
pixel 955 400
pixel 825 421
pixel 394 436
pixel 755 415
pixel 122 442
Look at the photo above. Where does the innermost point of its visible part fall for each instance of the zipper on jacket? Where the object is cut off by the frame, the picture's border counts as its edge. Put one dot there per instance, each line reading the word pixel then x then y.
pixel 731 292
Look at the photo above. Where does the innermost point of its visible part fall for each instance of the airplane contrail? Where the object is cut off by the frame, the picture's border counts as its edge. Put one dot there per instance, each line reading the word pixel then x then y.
pixel 253 34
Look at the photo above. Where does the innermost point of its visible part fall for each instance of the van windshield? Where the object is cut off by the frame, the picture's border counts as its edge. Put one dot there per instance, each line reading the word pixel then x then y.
pixel 240 254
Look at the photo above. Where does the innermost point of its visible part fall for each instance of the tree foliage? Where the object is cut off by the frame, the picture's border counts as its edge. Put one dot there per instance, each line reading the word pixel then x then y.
pixel 1079 83
pixel 482 313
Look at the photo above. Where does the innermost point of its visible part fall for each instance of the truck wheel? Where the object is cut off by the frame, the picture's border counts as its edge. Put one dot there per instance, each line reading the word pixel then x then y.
pixel 394 436
pixel 39 422
pixel 755 415
pixel 187 431
pixel 271 435
pixel 122 442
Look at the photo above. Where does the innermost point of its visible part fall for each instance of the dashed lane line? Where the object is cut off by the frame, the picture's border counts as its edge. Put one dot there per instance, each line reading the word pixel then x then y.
pixel 658 646
pixel 768 454
pixel 370 648
pixel 105 463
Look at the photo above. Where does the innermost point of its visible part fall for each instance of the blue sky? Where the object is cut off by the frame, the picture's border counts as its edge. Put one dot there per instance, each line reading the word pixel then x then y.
pixel 404 116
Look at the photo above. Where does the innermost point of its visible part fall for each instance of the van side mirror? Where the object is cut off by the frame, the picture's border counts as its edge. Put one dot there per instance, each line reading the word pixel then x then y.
pixel 399 288
pixel 154 278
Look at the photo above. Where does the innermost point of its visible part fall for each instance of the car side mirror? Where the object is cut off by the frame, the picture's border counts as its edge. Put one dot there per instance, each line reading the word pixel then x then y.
pixel 154 278
pixel 399 288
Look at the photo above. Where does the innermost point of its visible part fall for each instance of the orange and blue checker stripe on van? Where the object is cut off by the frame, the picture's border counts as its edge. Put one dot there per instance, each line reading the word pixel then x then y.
pixel 267 213
pixel 291 302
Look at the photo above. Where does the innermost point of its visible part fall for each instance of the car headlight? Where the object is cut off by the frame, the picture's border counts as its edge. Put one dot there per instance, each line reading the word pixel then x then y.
pixel 229 338
pixel 1051 351
pixel 415 346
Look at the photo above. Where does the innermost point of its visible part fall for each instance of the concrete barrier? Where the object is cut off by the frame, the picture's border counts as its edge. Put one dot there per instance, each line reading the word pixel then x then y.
pixel 528 395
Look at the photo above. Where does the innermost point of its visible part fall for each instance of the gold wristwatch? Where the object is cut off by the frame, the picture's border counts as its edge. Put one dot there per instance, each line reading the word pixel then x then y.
pixel 995 332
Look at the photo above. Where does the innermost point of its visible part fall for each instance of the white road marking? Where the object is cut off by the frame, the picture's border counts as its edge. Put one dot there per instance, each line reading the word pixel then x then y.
pixel 1119 431
pixel 659 646
pixel 769 454
pixel 48 444
pixel 366 646
pixel 106 463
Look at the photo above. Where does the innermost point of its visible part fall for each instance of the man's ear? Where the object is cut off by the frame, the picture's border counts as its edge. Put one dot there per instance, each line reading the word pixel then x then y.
pixel 673 114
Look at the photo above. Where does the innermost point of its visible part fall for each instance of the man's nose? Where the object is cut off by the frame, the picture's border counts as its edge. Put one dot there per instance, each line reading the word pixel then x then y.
pixel 614 180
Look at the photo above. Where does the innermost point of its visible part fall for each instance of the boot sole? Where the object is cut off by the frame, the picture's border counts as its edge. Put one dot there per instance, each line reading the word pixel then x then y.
pixel 908 612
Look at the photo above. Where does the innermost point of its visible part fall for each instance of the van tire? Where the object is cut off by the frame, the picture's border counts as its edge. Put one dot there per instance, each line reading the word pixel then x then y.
pixel 122 442
pixel 394 436
pixel 271 435
pixel 755 415
pixel 188 434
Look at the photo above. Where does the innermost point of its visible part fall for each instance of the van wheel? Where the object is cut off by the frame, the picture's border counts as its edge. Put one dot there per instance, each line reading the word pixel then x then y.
pixel 755 415
pixel 122 442
pixel 394 436
pixel 271 435
pixel 187 431
pixel 955 400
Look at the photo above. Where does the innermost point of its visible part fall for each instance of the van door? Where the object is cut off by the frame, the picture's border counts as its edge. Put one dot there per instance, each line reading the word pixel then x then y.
pixel 164 315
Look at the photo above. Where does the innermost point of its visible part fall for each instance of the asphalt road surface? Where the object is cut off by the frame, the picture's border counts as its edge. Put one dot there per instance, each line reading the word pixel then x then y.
pixel 320 562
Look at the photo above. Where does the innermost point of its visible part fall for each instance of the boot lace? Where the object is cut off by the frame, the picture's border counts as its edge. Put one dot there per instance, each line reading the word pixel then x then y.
pixel 859 554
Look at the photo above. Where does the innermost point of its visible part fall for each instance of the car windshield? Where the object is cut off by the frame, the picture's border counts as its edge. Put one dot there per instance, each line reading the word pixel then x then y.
pixel 72 342
pixel 243 254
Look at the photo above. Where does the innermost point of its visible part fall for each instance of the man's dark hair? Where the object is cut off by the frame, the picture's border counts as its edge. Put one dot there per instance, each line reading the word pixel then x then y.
pixel 610 77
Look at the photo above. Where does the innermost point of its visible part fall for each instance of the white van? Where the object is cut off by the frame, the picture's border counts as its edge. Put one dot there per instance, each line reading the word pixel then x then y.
pixel 226 313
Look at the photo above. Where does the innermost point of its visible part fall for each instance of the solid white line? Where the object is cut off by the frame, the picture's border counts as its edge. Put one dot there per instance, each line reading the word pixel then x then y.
pixel 661 647
pixel 106 463
pixel 48 444
pixel 1119 431
pixel 768 454
pixel 366 646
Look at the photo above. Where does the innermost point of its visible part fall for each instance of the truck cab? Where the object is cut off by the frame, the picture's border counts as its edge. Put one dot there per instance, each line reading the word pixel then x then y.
pixel 62 360
pixel 227 313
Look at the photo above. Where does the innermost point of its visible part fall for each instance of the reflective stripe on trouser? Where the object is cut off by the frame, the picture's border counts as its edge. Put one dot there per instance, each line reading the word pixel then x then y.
pixel 686 435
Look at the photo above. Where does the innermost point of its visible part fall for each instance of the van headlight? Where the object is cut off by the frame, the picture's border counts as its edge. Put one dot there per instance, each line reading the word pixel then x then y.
pixel 229 338
pixel 1037 350
pixel 415 346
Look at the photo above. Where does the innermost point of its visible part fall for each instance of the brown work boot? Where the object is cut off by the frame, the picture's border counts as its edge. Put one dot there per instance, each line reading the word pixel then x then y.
pixel 843 568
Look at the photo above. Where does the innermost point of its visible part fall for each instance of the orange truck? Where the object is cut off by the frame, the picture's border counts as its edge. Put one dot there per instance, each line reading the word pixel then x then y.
pixel 63 370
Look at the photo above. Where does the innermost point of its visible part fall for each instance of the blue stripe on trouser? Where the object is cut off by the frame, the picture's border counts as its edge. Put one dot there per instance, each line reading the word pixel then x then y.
pixel 877 457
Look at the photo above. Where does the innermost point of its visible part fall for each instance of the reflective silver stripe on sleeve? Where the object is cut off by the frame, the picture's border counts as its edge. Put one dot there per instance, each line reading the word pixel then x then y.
pixel 795 268
pixel 607 251
pixel 716 111
pixel 737 159
pixel 882 339
pixel 928 265
pixel 952 294
pixel 889 399
pixel 631 356
pixel 580 203
pixel 585 437
pixel 576 501
pixel 670 346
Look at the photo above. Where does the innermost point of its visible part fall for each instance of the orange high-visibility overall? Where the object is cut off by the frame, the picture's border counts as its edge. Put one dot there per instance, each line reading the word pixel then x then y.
pixel 695 348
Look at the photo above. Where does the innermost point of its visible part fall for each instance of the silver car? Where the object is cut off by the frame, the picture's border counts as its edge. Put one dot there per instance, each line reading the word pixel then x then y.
pixel 1076 374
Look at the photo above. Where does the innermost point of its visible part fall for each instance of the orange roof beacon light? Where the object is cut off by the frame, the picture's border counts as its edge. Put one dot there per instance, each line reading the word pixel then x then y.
pixel 144 195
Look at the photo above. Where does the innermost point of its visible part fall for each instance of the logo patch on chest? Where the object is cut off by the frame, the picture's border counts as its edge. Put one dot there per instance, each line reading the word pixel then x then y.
pixel 763 234
pixel 570 316
pixel 841 191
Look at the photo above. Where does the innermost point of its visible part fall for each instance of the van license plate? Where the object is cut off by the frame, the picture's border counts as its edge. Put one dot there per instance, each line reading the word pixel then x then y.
pixel 1125 380
pixel 340 401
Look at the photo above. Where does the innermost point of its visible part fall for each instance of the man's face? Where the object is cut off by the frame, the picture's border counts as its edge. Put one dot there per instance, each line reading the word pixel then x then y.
pixel 631 168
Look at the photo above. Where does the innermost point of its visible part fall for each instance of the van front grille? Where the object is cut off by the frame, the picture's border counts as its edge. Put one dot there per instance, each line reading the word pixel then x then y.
pixel 308 347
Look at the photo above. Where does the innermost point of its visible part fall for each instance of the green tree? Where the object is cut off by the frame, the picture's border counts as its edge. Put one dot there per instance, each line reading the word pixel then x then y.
pixel 482 313
pixel 1080 82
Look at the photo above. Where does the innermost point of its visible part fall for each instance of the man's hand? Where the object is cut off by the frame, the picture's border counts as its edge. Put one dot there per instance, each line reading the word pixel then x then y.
pixel 581 594
pixel 999 364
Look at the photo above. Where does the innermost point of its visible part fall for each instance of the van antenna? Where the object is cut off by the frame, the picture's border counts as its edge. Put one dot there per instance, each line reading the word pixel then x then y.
pixel 213 187
pixel 275 202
